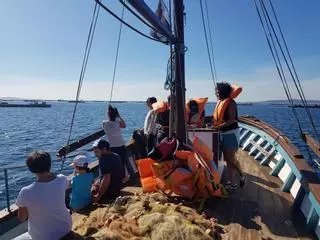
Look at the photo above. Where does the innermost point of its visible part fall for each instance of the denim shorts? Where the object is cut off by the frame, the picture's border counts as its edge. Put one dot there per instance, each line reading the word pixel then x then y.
pixel 230 139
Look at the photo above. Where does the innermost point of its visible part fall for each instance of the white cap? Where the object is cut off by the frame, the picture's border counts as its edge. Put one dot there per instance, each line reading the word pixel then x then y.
pixel 95 143
pixel 80 161
pixel 100 143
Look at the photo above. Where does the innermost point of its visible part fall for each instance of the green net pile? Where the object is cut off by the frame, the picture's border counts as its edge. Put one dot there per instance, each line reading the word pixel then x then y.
pixel 145 216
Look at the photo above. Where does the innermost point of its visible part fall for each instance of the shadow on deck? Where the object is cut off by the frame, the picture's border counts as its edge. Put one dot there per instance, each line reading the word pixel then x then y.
pixel 260 210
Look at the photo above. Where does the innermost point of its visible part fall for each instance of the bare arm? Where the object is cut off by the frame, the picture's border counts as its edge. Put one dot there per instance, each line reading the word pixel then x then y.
pixel 103 187
pixel 202 118
pixel 122 123
pixel 22 214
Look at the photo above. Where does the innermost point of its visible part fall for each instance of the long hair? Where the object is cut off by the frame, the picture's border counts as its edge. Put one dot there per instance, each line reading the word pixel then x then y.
pixel 194 109
pixel 112 113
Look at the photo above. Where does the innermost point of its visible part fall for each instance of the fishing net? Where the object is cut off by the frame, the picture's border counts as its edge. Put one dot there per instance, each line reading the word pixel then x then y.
pixel 145 216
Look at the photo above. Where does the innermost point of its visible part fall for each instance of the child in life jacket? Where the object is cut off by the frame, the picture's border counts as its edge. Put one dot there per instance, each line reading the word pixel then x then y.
pixel 196 117
pixel 81 183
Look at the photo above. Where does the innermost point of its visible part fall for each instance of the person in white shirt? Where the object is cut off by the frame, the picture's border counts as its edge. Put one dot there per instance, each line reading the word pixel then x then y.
pixel 112 129
pixel 43 202
pixel 150 126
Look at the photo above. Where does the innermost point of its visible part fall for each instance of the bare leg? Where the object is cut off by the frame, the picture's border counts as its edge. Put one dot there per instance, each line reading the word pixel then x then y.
pixel 232 164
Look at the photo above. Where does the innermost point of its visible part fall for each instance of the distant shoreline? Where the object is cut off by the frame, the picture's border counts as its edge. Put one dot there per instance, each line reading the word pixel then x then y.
pixel 248 103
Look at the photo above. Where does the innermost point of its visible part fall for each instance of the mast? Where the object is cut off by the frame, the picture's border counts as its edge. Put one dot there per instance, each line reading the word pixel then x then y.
pixel 178 39
pixel 180 124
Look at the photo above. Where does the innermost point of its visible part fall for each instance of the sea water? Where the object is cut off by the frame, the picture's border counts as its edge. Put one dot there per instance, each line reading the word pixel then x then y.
pixel 23 130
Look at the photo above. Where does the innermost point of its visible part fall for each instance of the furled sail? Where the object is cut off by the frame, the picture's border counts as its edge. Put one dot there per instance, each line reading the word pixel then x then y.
pixel 163 14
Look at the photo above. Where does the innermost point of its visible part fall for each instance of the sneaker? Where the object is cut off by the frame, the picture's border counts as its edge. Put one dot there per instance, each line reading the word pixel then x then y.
pixel 243 180
pixel 231 187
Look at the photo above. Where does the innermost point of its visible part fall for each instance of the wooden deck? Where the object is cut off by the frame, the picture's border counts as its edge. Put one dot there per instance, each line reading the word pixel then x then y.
pixel 260 210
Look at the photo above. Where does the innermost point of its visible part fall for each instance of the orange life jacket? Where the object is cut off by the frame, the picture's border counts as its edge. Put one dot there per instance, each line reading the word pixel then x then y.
pixel 147 179
pixel 201 106
pixel 196 175
pixel 160 106
pixel 222 105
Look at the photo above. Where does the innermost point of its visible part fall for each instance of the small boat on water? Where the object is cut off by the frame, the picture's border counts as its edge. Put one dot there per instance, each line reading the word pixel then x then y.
pixel 280 201
pixel 245 104
pixel 302 106
pixel 76 101
pixel 34 104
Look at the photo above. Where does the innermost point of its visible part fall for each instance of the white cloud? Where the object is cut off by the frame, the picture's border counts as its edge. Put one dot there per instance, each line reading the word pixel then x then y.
pixel 261 84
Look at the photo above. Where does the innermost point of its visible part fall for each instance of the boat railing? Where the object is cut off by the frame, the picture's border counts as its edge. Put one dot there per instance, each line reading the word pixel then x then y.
pixel 6 177
pixel 5 170
pixel 6 183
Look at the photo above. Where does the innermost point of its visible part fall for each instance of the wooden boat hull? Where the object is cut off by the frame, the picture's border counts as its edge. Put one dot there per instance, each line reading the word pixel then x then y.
pixel 267 150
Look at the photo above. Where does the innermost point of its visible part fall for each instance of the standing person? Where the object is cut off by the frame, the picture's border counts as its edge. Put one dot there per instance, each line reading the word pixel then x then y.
pixel 81 183
pixel 150 128
pixel 43 202
pixel 110 171
pixel 227 122
pixel 112 128
pixel 163 119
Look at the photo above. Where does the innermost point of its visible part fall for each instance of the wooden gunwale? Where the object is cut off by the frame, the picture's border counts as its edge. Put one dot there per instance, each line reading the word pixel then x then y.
pixel 309 180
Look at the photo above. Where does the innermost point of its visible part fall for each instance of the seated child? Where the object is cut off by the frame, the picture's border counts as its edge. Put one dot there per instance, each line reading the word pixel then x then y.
pixel 43 202
pixel 81 183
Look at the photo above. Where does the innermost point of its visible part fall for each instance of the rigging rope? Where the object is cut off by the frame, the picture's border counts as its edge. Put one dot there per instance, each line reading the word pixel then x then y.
pixel 274 51
pixel 211 42
pixel 292 71
pixel 116 59
pixel 83 69
pixel 278 64
pixel 295 80
pixel 207 44
pixel 286 47
pixel 125 23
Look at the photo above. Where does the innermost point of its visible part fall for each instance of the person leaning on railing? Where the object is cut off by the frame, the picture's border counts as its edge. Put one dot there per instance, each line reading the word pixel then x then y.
pixel 112 128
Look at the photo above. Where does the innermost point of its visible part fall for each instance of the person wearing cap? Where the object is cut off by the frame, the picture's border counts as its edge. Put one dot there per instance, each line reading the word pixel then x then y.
pixel 81 183
pixel 110 170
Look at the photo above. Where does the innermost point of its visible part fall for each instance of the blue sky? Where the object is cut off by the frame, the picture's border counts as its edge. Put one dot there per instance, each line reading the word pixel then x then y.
pixel 42 43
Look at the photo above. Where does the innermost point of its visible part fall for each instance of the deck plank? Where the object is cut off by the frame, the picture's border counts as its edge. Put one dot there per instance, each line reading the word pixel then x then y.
pixel 258 211
pixel 277 218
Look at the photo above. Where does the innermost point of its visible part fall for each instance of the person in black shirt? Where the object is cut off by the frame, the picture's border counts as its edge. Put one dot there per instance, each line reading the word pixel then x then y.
pixel 110 170
pixel 163 120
